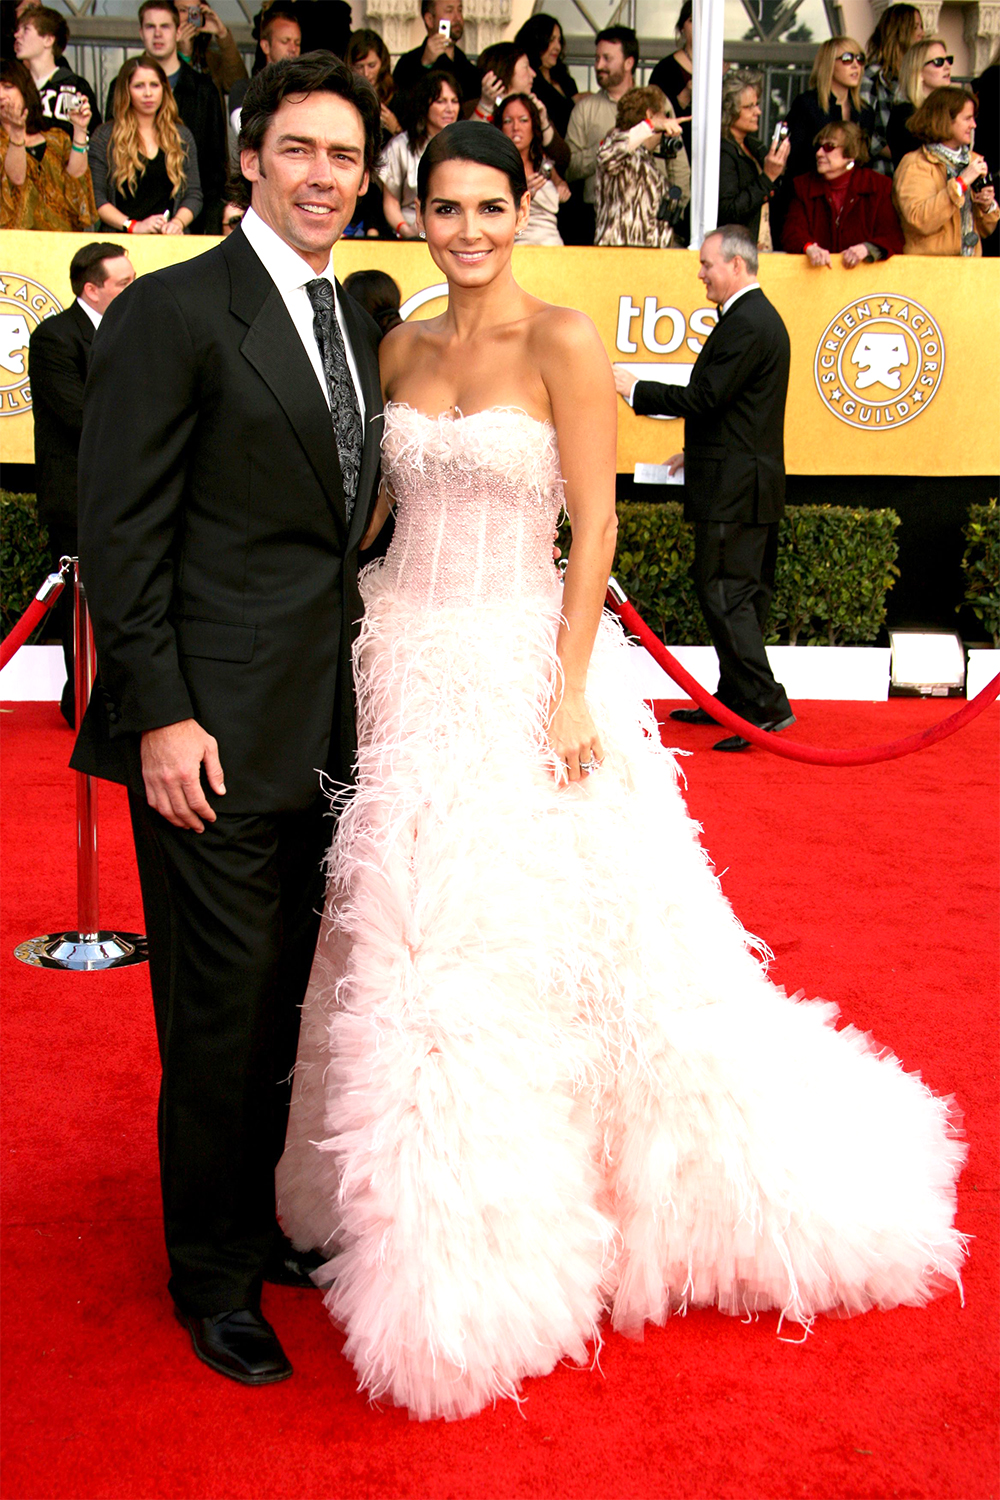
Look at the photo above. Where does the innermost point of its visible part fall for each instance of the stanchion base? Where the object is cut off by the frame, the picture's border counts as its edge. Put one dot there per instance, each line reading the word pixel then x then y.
pixel 83 951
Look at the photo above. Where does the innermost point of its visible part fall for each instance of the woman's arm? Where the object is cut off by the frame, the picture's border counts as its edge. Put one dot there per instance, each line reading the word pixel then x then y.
pixel 192 202
pixel 75 187
pixel 738 203
pixel 581 390
pixel 378 518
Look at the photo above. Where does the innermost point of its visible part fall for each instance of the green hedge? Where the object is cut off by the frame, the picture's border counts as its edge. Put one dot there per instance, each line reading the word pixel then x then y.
pixel 981 566
pixel 835 567
pixel 24 556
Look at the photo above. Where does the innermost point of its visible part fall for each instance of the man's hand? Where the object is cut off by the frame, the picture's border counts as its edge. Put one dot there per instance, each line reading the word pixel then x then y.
pixel 675 463
pixel 435 45
pixel 172 758
pixel 624 381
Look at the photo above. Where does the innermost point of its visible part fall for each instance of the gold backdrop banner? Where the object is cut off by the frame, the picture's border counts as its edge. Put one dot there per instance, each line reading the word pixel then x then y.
pixel 895 367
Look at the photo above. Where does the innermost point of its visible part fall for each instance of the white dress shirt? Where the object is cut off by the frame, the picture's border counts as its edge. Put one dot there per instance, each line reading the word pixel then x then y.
pixel 95 317
pixel 290 273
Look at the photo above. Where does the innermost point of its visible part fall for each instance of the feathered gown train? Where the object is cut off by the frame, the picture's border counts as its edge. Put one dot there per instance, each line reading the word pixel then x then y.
pixel 542 1074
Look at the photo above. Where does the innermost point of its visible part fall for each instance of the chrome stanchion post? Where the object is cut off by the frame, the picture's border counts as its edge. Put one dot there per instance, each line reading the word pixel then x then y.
pixel 86 948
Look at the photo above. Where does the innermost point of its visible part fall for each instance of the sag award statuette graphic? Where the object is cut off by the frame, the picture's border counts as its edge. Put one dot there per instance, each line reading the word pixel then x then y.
pixel 23 305
pixel 879 362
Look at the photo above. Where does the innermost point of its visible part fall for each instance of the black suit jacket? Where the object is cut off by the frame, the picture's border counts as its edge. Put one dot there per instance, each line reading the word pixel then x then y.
pixel 215 548
pixel 734 414
pixel 58 355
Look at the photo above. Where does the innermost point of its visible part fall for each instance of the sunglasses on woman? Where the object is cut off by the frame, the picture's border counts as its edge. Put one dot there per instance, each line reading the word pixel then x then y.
pixel 939 62
pixel 849 57
pixel 829 147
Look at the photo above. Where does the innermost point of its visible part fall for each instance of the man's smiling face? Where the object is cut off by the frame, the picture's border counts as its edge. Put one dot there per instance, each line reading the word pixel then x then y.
pixel 309 171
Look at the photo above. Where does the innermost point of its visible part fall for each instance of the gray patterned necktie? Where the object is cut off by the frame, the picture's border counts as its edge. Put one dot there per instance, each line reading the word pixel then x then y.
pixel 343 397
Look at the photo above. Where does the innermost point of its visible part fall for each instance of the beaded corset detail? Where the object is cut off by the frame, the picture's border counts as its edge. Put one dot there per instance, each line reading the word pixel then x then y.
pixel 477 499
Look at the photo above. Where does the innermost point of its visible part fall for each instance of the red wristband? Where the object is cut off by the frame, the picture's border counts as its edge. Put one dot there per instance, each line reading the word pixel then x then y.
pixel 129 226
pixel 399 226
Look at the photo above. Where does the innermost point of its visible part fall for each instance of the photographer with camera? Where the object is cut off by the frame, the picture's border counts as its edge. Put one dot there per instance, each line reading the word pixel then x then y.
pixel 943 192
pixel 747 176
pixel 45 181
pixel 643 179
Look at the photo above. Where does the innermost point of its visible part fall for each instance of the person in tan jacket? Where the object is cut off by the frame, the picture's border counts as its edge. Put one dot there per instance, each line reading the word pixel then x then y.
pixel 940 208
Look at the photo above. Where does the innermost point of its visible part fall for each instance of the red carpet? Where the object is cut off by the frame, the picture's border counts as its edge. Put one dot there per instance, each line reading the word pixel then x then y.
pixel 876 888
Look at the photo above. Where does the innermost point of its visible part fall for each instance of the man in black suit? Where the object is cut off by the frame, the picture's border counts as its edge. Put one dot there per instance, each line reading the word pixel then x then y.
pixel 229 461
pixel 734 468
pixel 58 356
pixel 440 50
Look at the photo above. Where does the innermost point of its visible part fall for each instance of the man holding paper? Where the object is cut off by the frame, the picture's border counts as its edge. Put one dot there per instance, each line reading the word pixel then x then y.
pixel 734 463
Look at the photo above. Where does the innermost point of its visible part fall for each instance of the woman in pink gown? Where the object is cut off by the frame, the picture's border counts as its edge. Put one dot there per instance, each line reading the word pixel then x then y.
pixel 543 1077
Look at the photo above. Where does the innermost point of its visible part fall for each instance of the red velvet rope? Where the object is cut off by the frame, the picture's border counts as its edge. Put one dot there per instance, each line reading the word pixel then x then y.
pixel 791 749
pixel 35 612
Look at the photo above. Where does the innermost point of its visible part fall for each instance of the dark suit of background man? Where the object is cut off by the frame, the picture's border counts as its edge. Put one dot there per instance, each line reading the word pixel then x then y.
pixel 219 540
pixel 734 474
pixel 58 356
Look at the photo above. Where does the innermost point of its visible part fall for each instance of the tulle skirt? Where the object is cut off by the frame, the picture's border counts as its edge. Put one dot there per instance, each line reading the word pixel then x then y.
pixel 543 1077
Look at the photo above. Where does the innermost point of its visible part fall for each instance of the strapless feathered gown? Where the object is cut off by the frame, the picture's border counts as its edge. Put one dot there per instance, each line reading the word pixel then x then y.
pixel 542 1075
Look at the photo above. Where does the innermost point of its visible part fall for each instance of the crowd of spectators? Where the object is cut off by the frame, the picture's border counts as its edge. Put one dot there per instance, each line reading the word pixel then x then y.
pixel 877 156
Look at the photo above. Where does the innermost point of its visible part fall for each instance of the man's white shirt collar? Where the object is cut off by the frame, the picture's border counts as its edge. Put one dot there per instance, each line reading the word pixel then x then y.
pixel 284 265
pixel 753 287
pixel 95 317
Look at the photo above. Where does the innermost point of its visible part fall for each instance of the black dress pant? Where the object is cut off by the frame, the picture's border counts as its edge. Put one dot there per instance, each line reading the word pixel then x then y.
pixel 734 575
pixel 232 918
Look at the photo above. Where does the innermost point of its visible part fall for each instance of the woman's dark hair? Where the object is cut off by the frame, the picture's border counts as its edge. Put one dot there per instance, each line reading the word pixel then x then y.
pixel 685 15
pixel 475 141
pixel 361 43
pixel 533 39
pixel 378 294
pixel 17 75
pixel 428 92
pixel 501 58
pixel 316 73
pixel 932 122
pixel 536 151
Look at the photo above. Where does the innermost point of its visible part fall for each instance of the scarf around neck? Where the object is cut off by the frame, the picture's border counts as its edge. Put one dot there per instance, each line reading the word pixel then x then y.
pixel 955 159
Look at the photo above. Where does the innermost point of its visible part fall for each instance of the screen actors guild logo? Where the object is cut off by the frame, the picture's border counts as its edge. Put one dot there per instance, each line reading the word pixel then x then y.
pixel 880 362
pixel 23 305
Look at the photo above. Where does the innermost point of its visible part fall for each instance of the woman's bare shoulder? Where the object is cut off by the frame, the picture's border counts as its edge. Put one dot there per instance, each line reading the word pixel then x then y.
pixel 397 347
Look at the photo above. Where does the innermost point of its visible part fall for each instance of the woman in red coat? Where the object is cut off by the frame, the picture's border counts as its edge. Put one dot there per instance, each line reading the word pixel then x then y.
pixel 843 206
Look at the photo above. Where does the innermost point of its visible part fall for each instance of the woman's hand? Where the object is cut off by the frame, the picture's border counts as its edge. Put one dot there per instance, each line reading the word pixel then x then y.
pixel 817 256
pixel 80 119
pixel 978 167
pixel 854 255
pixel 389 121
pixel 186 34
pixel 153 225
pixel 774 161
pixel 407 231
pixel 572 736
pixel 536 181
pixel 14 118
pixel 173 226
pixel 543 114
pixel 985 197
pixel 665 124
pixel 213 23
pixel 490 90
pixel 563 191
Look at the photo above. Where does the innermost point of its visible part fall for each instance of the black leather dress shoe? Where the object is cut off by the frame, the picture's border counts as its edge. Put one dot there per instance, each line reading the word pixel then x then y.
pixel 240 1344
pixel 286 1266
pixel 692 716
pixel 737 742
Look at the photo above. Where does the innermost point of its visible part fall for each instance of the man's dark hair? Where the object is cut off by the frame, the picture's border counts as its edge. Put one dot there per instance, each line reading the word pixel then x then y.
pixel 426 6
pixel 17 75
pixel 624 36
pixel 159 5
pixel 473 141
pixel 88 264
pixel 316 73
pixel 47 22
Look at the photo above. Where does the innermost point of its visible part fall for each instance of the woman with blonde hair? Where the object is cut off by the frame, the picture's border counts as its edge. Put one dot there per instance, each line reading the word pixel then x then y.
pixel 144 162
pixel 897 30
pixel 941 209
pixel 833 96
pixel 632 180
pixel 926 66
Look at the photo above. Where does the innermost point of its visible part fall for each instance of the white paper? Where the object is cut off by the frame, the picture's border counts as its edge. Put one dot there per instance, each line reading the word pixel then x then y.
pixel 657 474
